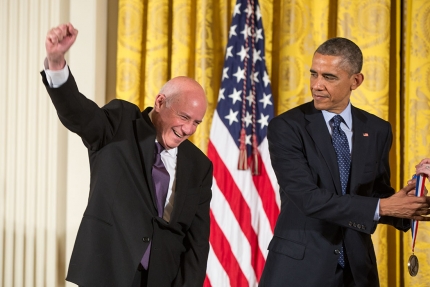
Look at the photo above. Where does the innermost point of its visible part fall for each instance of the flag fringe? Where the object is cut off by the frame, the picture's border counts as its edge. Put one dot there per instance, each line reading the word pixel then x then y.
pixel 255 156
pixel 243 157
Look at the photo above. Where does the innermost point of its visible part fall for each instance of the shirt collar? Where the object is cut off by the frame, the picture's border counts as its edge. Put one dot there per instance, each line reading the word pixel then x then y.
pixel 171 152
pixel 346 115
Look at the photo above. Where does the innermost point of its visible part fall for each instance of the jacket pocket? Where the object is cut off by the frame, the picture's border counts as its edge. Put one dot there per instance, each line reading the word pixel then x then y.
pixel 288 248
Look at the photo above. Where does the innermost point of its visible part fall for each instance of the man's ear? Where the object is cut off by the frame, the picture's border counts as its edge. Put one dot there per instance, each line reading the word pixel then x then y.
pixel 160 101
pixel 356 79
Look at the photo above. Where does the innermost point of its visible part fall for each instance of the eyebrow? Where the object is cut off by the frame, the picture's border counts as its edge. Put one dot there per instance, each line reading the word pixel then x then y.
pixel 324 74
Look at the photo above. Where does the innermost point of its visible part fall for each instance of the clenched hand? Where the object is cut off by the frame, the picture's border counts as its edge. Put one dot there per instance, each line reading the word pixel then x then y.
pixel 58 42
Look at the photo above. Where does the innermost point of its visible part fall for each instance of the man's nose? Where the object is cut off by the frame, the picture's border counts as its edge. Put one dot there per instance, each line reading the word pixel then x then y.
pixel 189 128
pixel 317 84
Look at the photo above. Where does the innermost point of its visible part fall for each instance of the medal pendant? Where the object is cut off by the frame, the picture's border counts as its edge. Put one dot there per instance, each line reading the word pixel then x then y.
pixel 413 265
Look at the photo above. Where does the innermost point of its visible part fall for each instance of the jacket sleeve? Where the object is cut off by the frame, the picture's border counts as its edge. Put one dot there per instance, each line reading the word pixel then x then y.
pixel 382 187
pixel 95 125
pixel 305 180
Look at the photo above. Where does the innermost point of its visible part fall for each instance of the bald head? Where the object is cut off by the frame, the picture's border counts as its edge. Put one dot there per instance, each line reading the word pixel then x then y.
pixel 182 86
pixel 179 108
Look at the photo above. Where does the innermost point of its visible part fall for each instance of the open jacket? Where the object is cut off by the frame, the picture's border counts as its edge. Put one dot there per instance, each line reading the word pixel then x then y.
pixel 315 218
pixel 121 217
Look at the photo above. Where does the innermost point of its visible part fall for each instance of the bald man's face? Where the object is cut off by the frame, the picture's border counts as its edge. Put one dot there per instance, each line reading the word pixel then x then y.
pixel 179 119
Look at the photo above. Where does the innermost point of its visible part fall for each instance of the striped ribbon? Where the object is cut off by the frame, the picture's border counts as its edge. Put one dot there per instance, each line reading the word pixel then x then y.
pixel 419 191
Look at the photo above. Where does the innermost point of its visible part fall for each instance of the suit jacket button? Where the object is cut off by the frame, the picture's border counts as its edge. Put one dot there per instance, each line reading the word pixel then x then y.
pixel 350 223
pixel 337 252
pixel 359 226
pixel 145 239
pixel 355 225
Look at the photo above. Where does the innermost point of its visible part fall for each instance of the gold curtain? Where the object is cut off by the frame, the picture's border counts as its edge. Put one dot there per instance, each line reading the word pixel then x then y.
pixel 416 110
pixel 161 39
pixel 368 24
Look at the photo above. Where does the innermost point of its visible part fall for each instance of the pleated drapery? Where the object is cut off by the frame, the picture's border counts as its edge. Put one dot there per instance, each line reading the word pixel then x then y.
pixel 416 119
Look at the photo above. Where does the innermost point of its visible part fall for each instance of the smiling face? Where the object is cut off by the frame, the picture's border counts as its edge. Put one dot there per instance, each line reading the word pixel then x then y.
pixel 179 108
pixel 331 82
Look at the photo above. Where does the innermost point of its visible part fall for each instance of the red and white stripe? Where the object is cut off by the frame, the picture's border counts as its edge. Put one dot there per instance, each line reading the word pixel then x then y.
pixel 419 191
pixel 244 209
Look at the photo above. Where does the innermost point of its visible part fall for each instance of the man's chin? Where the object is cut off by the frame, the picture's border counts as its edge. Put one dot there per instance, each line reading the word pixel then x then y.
pixel 318 106
pixel 173 144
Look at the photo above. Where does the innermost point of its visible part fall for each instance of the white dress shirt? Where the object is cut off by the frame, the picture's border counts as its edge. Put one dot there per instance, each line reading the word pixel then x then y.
pixel 168 157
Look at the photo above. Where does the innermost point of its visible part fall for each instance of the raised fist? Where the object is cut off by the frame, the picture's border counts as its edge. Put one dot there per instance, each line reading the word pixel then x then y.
pixel 58 42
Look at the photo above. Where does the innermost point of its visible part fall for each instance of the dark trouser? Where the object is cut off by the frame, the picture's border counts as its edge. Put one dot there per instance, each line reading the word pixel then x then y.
pixel 343 277
pixel 140 277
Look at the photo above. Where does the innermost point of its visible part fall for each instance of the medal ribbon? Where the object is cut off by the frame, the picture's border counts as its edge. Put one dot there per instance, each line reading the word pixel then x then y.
pixel 419 191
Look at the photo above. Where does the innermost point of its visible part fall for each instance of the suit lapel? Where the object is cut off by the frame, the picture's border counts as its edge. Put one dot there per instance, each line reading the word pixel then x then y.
pixel 318 131
pixel 360 143
pixel 145 135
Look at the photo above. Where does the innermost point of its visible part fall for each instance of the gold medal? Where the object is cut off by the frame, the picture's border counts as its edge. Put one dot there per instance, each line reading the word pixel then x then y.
pixel 420 190
pixel 413 265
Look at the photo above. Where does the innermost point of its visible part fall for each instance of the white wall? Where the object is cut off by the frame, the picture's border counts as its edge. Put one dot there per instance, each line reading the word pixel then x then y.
pixel 44 172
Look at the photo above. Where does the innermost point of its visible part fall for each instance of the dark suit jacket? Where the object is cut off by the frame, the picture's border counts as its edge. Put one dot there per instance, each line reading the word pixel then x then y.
pixel 121 215
pixel 315 217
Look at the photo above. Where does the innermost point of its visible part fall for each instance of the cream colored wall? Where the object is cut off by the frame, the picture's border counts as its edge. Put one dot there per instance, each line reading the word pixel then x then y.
pixel 44 173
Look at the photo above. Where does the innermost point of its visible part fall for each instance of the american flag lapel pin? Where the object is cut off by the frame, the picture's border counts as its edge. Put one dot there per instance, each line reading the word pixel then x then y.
pixel 365 134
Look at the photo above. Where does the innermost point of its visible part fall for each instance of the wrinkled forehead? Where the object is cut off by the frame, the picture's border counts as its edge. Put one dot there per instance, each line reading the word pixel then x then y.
pixel 192 105
pixel 330 62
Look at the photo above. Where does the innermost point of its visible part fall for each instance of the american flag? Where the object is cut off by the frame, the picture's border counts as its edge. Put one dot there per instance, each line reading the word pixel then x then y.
pixel 245 202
